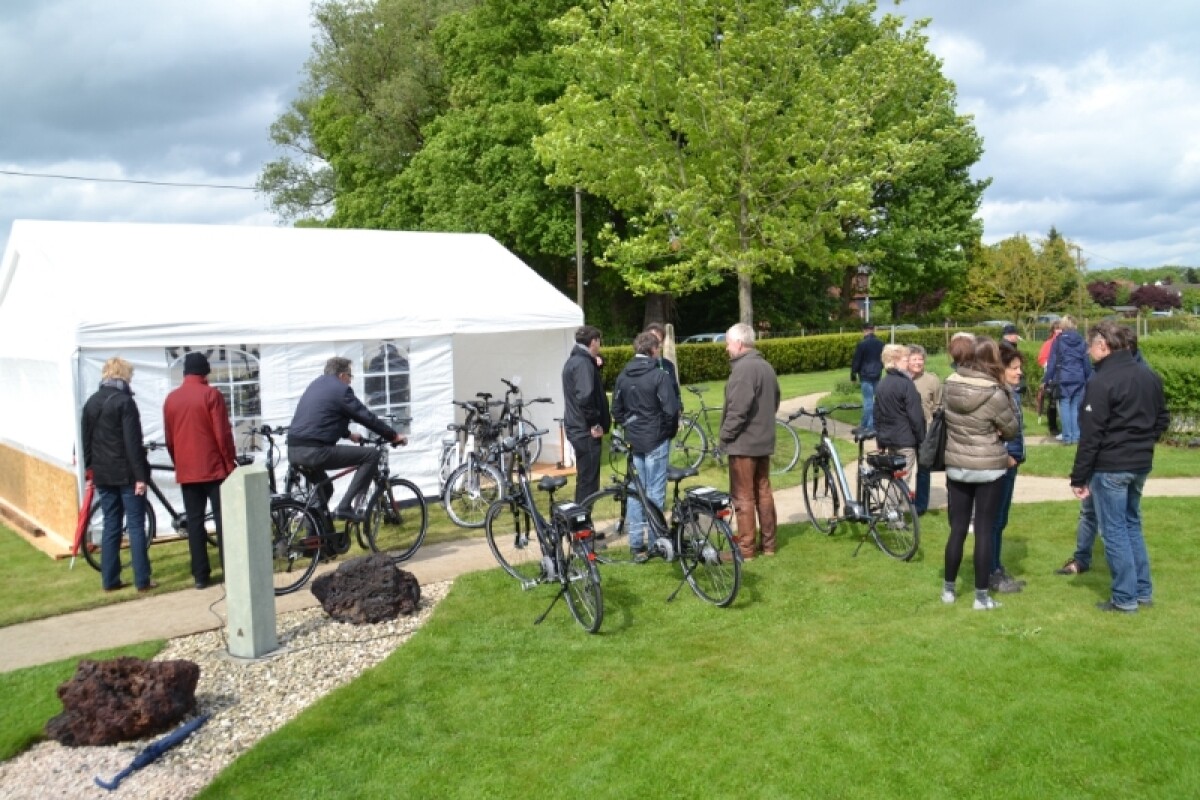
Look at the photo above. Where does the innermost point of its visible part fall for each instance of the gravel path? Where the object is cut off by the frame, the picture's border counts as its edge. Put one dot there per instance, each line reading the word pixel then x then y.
pixel 247 700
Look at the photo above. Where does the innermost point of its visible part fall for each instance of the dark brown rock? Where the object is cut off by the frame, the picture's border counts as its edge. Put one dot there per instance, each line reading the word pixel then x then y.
pixel 366 590
pixel 123 699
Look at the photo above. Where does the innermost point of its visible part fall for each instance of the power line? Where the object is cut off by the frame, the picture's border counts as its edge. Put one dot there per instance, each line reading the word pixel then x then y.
pixel 126 180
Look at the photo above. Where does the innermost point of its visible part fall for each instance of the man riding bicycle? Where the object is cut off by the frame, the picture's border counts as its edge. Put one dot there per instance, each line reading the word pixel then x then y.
pixel 322 417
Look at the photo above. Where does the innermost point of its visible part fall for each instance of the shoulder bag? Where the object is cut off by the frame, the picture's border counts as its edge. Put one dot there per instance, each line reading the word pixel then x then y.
pixel 931 455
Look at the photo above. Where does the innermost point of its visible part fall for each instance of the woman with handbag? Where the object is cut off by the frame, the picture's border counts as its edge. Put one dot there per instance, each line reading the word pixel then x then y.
pixel 979 419
pixel 1068 370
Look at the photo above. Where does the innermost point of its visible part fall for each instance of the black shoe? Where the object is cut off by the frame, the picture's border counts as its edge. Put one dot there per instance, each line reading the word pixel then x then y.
pixel 349 515
pixel 640 556
pixel 116 588
pixel 1107 605
pixel 202 584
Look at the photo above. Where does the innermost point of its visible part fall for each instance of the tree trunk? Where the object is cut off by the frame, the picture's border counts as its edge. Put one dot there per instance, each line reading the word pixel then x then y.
pixel 745 300
pixel 659 308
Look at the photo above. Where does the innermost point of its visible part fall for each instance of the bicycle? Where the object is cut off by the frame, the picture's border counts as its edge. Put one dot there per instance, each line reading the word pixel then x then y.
pixel 562 554
pixel 476 483
pixel 394 520
pixel 883 500
pixel 698 533
pixel 695 439
pixel 89 532
pixel 513 421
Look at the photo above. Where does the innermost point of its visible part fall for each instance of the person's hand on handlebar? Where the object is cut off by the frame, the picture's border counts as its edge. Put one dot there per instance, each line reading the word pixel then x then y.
pixel 400 439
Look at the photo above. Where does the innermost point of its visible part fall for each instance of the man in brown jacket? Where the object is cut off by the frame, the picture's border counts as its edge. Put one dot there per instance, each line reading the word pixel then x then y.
pixel 748 438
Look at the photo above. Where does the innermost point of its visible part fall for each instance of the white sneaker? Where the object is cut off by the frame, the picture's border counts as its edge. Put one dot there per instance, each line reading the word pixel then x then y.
pixel 986 604
pixel 948 596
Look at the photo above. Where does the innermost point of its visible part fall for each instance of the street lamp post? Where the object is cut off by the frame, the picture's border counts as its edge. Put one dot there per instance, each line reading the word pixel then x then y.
pixel 865 271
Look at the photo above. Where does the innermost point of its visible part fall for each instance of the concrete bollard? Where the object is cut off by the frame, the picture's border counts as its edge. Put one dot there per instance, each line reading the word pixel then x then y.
pixel 249 587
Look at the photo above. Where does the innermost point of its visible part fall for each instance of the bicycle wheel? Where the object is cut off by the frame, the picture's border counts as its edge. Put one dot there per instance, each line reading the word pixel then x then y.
pixel 397 519
pixel 689 445
pixel 295 544
pixel 533 450
pixel 821 497
pixel 94 535
pixel 610 538
pixel 512 538
pixel 708 556
pixel 894 522
pixel 470 490
pixel 787 448
pixel 581 580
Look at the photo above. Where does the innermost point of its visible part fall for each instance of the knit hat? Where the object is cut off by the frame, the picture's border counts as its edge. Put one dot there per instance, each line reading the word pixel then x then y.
pixel 195 364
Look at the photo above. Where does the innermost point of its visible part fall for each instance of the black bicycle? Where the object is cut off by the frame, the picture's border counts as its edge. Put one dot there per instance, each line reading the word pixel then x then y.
pixel 536 550
pixel 697 534
pixel 883 500
pixel 394 520
pixel 94 532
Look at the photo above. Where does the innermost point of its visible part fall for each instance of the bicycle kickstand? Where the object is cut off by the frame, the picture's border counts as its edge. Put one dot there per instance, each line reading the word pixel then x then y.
pixel 561 591
pixel 687 573
pixel 862 540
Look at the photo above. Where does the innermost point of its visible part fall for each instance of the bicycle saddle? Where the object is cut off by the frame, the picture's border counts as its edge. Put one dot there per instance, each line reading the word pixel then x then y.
pixel 549 483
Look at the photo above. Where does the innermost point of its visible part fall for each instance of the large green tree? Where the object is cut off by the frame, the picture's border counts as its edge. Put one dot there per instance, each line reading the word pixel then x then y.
pixel 1020 280
pixel 374 82
pixel 752 138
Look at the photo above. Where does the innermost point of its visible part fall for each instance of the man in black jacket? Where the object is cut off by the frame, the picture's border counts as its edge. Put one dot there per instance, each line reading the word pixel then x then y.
pixel 646 403
pixel 866 368
pixel 1122 415
pixel 585 416
pixel 322 417
pixel 111 433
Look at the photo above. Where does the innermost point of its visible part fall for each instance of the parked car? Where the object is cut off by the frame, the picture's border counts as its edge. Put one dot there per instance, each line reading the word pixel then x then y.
pixel 704 337
pixel 907 326
pixel 1046 319
pixel 996 323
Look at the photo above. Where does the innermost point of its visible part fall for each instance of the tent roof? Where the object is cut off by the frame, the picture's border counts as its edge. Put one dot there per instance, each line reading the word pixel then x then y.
pixel 130 285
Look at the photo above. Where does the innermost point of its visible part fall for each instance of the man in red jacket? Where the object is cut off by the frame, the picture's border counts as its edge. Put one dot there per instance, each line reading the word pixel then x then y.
pixel 200 441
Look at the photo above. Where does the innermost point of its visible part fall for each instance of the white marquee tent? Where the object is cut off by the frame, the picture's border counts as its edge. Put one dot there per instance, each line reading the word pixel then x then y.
pixel 425 318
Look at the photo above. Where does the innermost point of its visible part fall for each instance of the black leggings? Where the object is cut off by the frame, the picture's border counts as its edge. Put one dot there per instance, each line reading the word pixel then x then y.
pixel 983 501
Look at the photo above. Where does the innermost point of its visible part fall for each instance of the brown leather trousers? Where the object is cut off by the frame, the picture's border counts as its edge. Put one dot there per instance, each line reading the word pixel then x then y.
pixel 750 485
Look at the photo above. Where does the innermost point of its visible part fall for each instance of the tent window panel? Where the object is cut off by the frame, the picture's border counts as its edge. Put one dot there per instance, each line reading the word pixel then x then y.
pixel 386 380
pixel 235 374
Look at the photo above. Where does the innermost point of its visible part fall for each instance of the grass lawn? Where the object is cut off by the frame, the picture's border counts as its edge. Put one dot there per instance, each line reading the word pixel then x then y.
pixel 831 676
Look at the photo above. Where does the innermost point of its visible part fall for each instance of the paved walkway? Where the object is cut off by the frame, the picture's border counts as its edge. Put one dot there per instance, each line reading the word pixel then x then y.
pixel 187 612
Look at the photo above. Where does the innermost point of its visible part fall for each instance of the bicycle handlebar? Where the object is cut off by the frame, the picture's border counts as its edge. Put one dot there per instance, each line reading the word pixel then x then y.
pixel 511 443
pixel 822 412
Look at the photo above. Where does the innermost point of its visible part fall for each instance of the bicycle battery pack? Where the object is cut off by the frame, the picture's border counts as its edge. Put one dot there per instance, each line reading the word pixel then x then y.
pixel 714 500
pixel 577 518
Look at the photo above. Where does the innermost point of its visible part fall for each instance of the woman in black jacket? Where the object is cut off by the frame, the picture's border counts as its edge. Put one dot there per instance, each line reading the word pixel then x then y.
pixel 899 418
pixel 111 432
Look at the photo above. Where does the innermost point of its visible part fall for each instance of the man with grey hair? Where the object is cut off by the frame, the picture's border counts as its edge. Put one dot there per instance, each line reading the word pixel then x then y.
pixel 322 417
pixel 748 438
pixel 645 403
pixel 929 389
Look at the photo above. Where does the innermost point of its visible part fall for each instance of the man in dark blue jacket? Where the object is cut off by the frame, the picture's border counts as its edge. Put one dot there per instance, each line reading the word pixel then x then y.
pixel 866 368
pixel 322 417
pixel 585 414
pixel 1124 412
pixel 646 403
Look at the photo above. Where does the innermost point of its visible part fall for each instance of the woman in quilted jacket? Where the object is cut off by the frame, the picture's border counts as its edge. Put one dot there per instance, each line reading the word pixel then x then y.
pixel 979 420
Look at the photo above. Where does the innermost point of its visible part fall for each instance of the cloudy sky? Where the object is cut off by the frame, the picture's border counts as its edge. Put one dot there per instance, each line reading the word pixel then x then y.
pixel 1090 112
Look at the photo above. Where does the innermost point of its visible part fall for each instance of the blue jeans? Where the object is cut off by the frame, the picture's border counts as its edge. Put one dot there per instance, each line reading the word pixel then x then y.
pixel 652 469
pixel 1085 533
pixel 1118 502
pixel 922 498
pixel 1008 483
pixel 118 502
pixel 868 398
pixel 1068 417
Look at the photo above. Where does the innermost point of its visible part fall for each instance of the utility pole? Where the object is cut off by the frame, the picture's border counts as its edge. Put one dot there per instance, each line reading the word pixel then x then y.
pixel 1082 278
pixel 579 247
